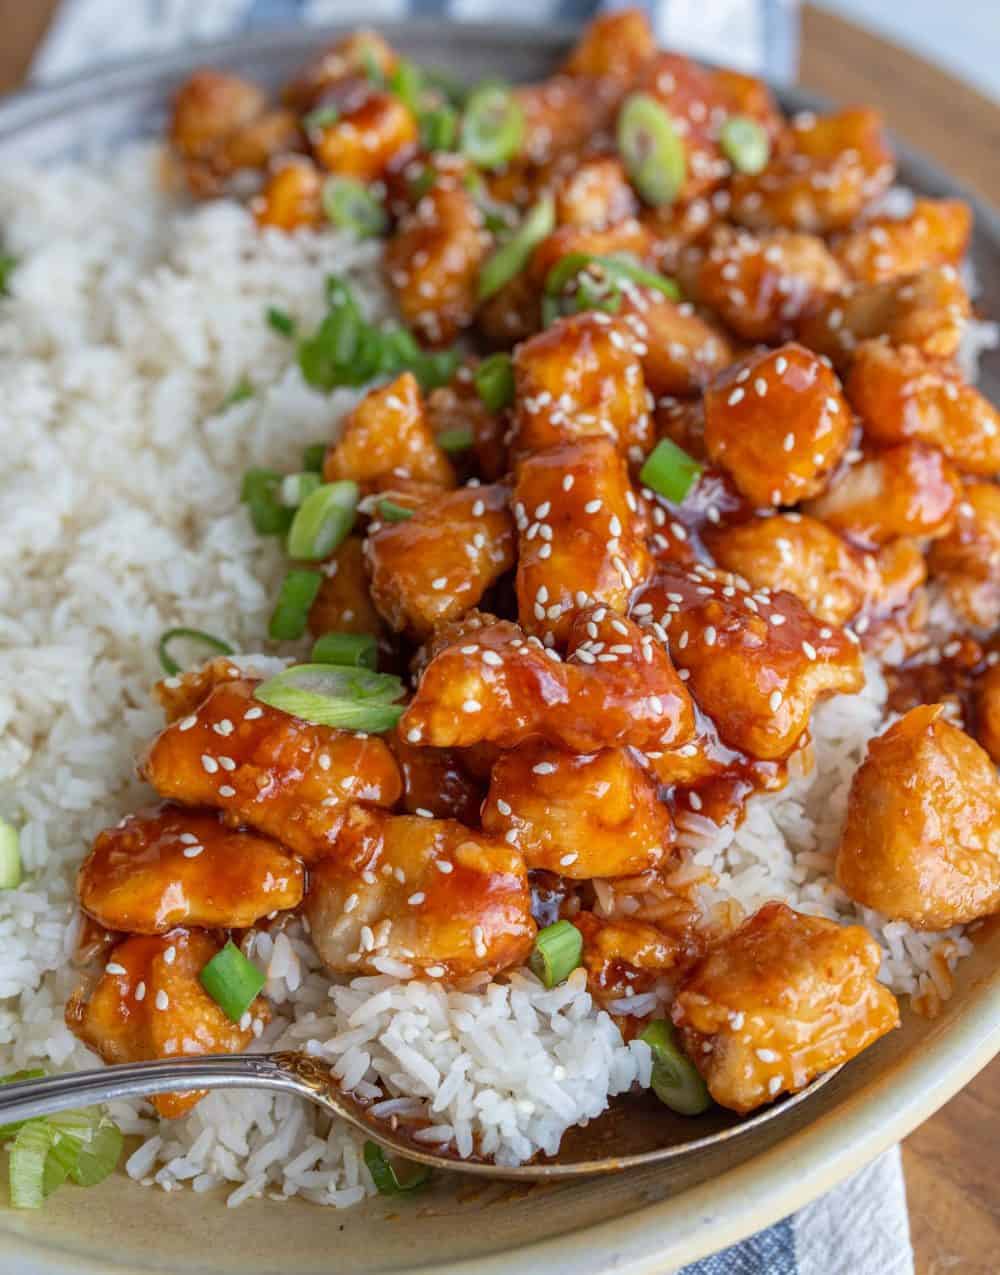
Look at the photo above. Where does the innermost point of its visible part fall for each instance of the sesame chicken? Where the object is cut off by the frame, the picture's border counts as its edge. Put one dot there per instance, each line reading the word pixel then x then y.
pixel 680 351
pixel 268 770
pixel 614 46
pixel 348 60
pixel 366 137
pixel 922 838
pixel 625 957
pixel 695 102
pixel 344 603
pixel 579 537
pixel 562 114
pixel 428 894
pixel 438 782
pixel 967 560
pixel 148 1003
pixel 935 233
pixel 779 1001
pixel 596 815
pixel 168 866
pixel 595 194
pixel 292 196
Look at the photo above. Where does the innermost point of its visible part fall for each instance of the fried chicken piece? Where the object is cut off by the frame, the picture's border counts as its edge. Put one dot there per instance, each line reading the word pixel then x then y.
pixel 562 114
pixel 350 58
pixel 613 46
pixel 594 194
pixel 967 559
pixel 148 1003
pixel 909 490
pixel 617 687
pixel 343 603
pixel 433 260
pixel 292 196
pixel 430 893
pixel 596 815
pixel 778 1002
pixel 680 351
pixel 630 236
pixel 436 565
pixel 778 424
pixel 828 169
pixel 436 782
pixel 756 663
pixel 626 957
pixel 798 554
pixel 166 866
pixel 180 694
pixel 922 838
pixel 935 233
pixel 580 540
pixel 579 379
pixel 269 770
pixel 899 394
pixel 369 134
pixel 387 438
pixel 988 711
pixel 926 310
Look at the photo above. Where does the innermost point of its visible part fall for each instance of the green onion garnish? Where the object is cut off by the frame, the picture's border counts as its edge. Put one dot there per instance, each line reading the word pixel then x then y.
pixel 312 458
pixel 620 265
pixel 242 390
pixel 82 1145
pixel 494 381
pixel 27 1164
pixel 232 981
pixel 745 143
pixel 11 870
pixel 8 264
pixel 291 611
pixel 350 205
pixel 557 952
pixel 385 1177
pixel 407 82
pixel 492 126
pixel 321 117
pixel 323 521
pixel 455 440
pixel 359 650
pixel 261 492
pixel 511 257
pixel 651 149
pixel 373 68
pixel 670 471
pixel 676 1081
pixel 99 1156
pixel 296 487
pixel 438 128
pixel 389 511
pixel 335 695
pixel 280 320
pixel 198 637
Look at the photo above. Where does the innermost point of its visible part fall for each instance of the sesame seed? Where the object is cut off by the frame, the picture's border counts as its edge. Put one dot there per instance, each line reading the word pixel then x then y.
pixel 592 506
pixel 227 790
pixel 444 866
pixel 781 365
pixel 478 509
pixel 567 482
pixel 187 722
pixel 710 635
pixel 439 582
pixel 775 701
pixel 544 768
pixel 435 971
pixel 789 441
pixel 192 852
pixel 694 801
pixel 760 385
pixel 140 991
pixel 209 763
pixel 413 735
pixel 776 618
pixel 252 714
pixel 162 1000
pixel 170 955
pixel 416 899
pixel 774 1085
pixel 809 650
pixel 227 763
pixel 567 859
pixel 471 706
pixel 735 397
pixel 113 967
pixel 424 813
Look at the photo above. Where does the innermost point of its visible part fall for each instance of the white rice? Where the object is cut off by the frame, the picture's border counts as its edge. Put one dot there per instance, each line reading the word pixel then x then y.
pixel 119 480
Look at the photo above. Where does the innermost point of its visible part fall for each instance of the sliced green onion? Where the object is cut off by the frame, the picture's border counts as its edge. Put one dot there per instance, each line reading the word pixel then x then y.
pixel 557 952
pixel 373 69
pixel 421 183
pixel 11 870
pixel 670 471
pixel 27 1164
pixel 389 511
pixel 295 488
pixel 350 205
pixel 651 149
pixel 435 368
pixel 8 264
pixel 232 981
pixel 618 265
pixel 321 117
pixel 492 126
pixel 407 82
pixel 676 1081
pixel 335 695
pixel 359 650
pixel 100 1155
pixel 455 440
pixel 261 492
pixel 323 520
pixel 291 612
pixel 280 320
pixel 313 457
pixel 70 1132
pixel 438 128
pixel 384 1175
pixel 745 143
pixel 494 381
pixel 241 391
pixel 453 89
pixel 510 258
pixel 214 644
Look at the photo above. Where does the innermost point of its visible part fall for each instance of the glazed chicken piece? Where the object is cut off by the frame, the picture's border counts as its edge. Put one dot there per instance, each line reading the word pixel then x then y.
pixel 431 894
pixel 761 284
pixel 351 58
pixel 756 663
pixel 797 554
pixel 988 711
pixel 828 169
pixel 922 835
pixel 967 560
pixel 778 424
pixel 579 538
pixel 435 782
pixel 387 439
pixel 181 694
pixel 562 114
pixel 935 233
pixel 372 131
pixel 926 310
pixel 268 770
pixel 291 196
pixel 167 866
pixel 900 394
pixel 778 1002
pixel 459 406
pixel 626 957
pixel 580 379
pixel 746 95
pixel 597 815
pixel 680 351
pixel 436 565
pixel 148 1003
pixel 631 236
pixel 909 490
pixel 595 193
pixel 617 687
pixel 432 261
pixel 679 228
pixel 343 603
pixel 614 46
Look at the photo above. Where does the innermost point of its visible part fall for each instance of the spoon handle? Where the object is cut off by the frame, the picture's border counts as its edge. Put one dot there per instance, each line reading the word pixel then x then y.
pixel 24 1099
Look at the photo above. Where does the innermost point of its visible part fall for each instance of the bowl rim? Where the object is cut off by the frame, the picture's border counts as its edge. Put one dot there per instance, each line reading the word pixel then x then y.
pixel 805 1163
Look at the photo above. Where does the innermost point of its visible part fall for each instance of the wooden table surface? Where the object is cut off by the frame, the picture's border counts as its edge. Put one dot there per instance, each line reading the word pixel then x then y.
pixel 952 1163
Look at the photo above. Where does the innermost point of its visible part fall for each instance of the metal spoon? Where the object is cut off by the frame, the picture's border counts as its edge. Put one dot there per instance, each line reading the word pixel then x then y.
pixel 309 1078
